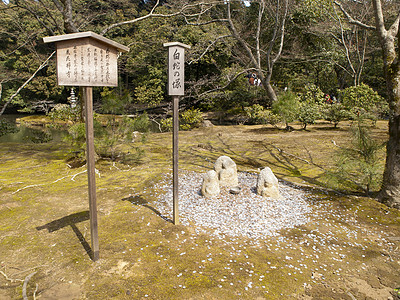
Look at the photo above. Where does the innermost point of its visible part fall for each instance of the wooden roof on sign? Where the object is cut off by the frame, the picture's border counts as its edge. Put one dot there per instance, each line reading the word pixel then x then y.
pixel 176 44
pixel 87 34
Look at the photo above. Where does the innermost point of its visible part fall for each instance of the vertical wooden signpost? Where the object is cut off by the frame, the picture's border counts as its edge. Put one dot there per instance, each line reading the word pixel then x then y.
pixel 87 59
pixel 176 88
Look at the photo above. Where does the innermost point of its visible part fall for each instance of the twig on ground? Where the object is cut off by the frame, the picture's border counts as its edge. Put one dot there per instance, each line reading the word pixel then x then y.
pixel 34 293
pixel 25 187
pixel 10 279
pixel 30 269
pixel 351 296
pixel 27 278
pixel 72 178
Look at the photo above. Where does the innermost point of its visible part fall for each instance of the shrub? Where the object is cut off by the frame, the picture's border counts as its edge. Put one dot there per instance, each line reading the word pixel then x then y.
pixel 166 124
pixel 141 123
pixel 39 137
pixel 114 101
pixel 117 134
pixel 151 92
pixel 362 100
pixel 77 138
pixel 7 127
pixel 287 107
pixel 312 94
pixel 309 113
pixel 256 114
pixel 336 113
pixel 64 112
pixel 189 119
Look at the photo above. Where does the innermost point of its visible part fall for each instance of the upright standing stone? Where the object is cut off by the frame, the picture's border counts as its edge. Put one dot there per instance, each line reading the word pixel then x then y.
pixel 227 171
pixel 210 186
pixel 267 184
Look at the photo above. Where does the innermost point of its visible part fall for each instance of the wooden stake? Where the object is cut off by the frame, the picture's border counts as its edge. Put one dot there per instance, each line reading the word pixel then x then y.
pixel 175 158
pixel 90 163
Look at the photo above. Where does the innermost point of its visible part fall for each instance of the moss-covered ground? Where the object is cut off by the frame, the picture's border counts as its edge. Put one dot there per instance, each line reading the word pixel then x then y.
pixel 349 249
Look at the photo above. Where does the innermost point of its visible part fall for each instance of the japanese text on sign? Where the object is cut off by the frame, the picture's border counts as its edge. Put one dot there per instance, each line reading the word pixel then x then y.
pixel 86 64
pixel 176 61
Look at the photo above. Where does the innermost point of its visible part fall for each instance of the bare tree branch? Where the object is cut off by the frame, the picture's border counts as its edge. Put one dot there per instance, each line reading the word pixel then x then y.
pixel 35 15
pixel 258 31
pixel 151 14
pixel 278 54
pixel 208 48
pixel 220 88
pixel 26 82
pixel 351 19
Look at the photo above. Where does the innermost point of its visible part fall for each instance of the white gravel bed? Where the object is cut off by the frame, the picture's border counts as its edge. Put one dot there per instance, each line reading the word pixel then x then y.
pixel 245 215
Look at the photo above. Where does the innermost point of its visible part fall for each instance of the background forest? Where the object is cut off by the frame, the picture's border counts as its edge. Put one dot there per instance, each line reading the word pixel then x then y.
pixel 301 46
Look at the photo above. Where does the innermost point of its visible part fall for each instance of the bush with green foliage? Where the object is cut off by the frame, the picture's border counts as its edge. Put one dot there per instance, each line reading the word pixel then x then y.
pixel 115 100
pixel 309 113
pixel 287 107
pixel 188 119
pixel 312 94
pixel 141 123
pixel 362 100
pixel 166 124
pixel 64 112
pixel 7 127
pixel 117 140
pixel 312 100
pixel 257 114
pixel 119 133
pixel 336 113
pixel 77 139
pixel 39 137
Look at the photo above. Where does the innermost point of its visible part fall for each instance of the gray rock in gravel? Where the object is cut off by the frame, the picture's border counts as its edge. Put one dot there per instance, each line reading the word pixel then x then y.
pixel 267 184
pixel 227 171
pixel 210 185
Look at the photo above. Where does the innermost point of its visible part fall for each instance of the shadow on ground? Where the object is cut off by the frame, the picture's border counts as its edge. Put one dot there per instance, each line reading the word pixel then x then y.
pixel 139 200
pixel 71 220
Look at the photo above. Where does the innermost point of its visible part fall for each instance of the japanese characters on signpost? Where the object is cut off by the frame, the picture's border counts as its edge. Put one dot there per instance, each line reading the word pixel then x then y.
pixel 176 88
pixel 87 59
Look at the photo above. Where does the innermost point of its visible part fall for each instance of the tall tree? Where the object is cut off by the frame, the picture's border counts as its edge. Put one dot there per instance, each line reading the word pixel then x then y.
pixel 389 40
pixel 352 41
pixel 259 33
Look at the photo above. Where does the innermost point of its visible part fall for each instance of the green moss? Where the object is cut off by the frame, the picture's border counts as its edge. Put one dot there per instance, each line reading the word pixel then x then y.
pixel 142 254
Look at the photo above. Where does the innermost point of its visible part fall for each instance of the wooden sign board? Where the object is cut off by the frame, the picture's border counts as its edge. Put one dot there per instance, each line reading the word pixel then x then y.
pixel 176 68
pixel 86 59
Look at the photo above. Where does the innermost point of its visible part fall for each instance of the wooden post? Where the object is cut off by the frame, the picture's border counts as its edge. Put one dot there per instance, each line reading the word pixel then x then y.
pixel 175 159
pixel 87 59
pixel 176 88
pixel 90 164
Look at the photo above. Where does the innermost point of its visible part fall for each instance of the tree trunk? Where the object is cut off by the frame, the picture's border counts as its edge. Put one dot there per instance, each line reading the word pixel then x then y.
pixel 390 190
pixel 266 83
